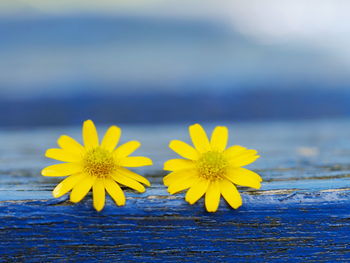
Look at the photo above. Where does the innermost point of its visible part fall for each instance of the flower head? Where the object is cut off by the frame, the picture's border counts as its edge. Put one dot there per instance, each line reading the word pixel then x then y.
pixel 210 168
pixel 96 166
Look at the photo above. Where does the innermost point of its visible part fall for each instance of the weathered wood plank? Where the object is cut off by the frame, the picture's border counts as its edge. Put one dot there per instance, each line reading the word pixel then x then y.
pixel 281 226
pixel 302 212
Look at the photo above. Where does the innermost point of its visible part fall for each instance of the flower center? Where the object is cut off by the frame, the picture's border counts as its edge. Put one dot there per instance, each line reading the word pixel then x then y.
pixel 212 165
pixel 98 162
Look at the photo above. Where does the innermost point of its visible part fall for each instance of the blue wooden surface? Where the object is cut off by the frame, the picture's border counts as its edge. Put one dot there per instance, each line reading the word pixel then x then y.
pixel 304 226
pixel 302 212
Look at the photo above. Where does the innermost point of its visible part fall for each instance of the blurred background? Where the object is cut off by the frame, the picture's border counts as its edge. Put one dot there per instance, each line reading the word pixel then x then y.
pixel 174 61
pixel 276 72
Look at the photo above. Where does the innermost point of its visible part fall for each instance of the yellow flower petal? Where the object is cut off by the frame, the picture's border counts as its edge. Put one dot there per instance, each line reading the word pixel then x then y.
pixel 178 164
pixel 184 150
pixel 126 149
pixel 199 138
pixel 115 191
pixel 212 196
pixel 70 145
pixel 248 157
pixel 197 190
pixel 133 176
pixel 90 135
pixel 62 169
pixel 81 189
pixel 98 191
pixel 173 177
pixel 111 138
pixel 182 184
pixel 230 193
pixel 219 139
pixel 135 161
pixel 124 180
pixel 234 151
pixel 247 173
pixel 243 177
pixel 62 155
pixel 67 184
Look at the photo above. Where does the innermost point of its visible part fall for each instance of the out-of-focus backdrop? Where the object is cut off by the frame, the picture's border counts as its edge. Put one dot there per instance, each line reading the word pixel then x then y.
pixel 155 61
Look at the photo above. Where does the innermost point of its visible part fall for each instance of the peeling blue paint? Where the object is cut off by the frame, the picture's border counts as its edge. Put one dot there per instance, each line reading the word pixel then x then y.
pixel 165 230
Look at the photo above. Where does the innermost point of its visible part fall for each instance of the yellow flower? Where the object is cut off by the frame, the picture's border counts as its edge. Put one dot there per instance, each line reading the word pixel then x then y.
pixel 96 166
pixel 210 168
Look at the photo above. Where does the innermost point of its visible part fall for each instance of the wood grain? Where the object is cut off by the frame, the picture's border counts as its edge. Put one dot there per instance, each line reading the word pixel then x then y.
pixel 301 213
pixel 281 226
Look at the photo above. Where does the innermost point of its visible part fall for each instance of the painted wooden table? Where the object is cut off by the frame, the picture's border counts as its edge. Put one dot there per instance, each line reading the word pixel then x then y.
pixel 301 213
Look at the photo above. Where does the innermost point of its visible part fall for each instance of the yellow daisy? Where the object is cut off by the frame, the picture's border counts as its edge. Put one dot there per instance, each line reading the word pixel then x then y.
pixel 210 168
pixel 96 166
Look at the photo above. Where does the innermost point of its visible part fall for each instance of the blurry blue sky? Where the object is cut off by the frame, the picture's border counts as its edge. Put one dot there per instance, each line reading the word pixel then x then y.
pixel 59 48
